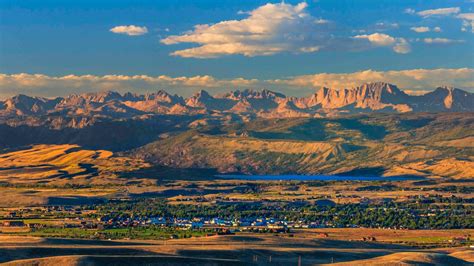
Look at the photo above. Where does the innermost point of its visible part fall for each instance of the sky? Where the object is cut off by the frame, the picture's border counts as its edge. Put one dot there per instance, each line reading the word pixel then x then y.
pixel 54 48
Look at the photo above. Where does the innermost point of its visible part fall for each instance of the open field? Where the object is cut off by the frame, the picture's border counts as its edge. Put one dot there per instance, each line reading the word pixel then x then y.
pixel 235 249
pixel 208 191
pixel 64 164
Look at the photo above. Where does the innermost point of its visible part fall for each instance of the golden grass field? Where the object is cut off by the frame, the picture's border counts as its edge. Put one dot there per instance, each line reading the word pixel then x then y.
pixel 64 164
pixel 242 249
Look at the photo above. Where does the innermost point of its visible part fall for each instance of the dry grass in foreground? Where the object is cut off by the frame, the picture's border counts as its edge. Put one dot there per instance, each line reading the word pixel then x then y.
pixel 243 249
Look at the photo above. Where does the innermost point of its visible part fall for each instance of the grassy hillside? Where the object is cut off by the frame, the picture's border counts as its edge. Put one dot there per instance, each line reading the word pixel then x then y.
pixel 64 164
pixel 430 145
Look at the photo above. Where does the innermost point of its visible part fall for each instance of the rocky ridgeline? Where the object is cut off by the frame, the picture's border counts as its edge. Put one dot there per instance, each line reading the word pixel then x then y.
pixel 371 97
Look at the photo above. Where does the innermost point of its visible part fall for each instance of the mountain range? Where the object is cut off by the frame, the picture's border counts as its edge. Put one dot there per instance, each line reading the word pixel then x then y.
pixel 370 97
pixel 373 130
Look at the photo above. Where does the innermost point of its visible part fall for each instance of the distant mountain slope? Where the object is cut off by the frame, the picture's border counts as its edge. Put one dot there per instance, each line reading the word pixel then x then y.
pixel 26 105
pixel 444 99
pixel 427 145
pixel 436 145
pixel 370 97
pixel 373 96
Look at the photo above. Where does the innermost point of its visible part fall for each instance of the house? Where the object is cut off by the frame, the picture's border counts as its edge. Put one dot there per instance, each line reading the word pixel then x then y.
pixel 197 225
pixel 35 225
pixel 158 221
pixel 13 223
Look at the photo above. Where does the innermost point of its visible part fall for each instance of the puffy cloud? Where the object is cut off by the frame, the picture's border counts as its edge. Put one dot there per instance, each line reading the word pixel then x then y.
pixel 268 29
pixel 441 41
pixel 130 30
pixel 409 11
pixel 468 21
pixel 399 45
pixel 439 12
pixel 402 46
pixel 425 29
pixel 466 16
pixel 420 29
pixel 414 79
pixel 378 39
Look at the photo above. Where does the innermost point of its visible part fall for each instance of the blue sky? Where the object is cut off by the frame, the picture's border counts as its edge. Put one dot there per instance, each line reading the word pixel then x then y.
pixel 61 38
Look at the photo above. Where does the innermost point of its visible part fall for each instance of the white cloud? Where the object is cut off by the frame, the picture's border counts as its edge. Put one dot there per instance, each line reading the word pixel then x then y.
pixel 402 46
pixel 130 30
pixel 321 21
pixel 268 29
pixel 310 49
pixel 44 85
pixel 424 29
pixel 413 79
pixel 468 21
pixel 439 12
pixel 420 29
pixel 409 11
pixel 378 39
pixel 441 41
pixel 466 16
pixel 399 45
pixel 387 25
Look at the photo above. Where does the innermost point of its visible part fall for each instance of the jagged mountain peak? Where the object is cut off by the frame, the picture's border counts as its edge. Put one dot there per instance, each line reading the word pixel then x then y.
pixel 26 98
pixel 162 96
pixel 202 94
pixel 242 106
pixel 252 94
pixel 101 96
pixel 200 99
pixel 375 96
pixel 447 98
pixel 271 94
pixel 380 88
pixel 25 105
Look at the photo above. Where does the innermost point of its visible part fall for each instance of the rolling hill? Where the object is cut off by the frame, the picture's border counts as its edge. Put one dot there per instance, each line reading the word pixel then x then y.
pixel 429 145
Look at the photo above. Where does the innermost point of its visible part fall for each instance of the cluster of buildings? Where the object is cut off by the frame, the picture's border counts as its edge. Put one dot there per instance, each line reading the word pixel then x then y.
pixel 197 223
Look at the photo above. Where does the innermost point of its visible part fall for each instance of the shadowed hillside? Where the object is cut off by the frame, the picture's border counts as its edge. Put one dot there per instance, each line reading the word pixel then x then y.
pixel 429 145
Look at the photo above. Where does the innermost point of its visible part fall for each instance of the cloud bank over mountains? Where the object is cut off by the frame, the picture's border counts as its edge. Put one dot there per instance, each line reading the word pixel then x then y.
pixel 413 80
